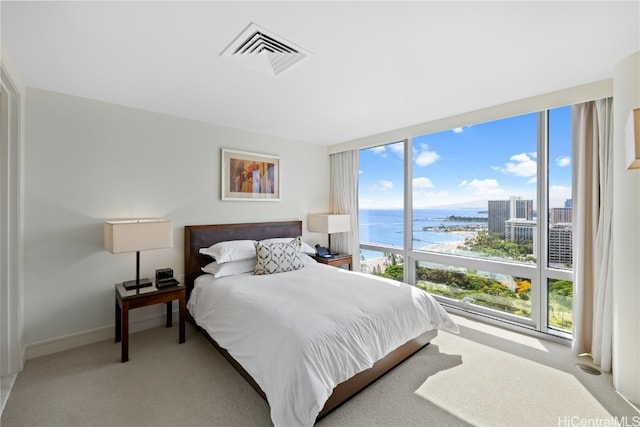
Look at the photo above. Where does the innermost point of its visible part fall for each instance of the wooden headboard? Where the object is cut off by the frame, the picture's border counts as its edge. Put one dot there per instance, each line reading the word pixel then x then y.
pixel 203 236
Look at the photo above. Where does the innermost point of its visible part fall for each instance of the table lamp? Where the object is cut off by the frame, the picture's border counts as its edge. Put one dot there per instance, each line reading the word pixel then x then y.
pixel 329 224
pixel 135 235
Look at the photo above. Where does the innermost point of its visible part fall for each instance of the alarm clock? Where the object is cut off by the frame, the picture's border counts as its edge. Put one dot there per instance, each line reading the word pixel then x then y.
pixel 164 277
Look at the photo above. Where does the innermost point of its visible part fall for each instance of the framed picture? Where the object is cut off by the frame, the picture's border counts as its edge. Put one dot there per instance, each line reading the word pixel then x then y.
pixel 249 176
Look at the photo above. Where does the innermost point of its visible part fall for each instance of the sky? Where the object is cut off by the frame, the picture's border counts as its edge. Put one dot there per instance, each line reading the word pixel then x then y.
pixel 465 167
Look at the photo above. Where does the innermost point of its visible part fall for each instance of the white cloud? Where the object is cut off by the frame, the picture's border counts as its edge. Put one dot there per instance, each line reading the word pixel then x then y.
pixel 426 199
pixel 522 164
pixel 557 195
pixel 425 157
pixel 378 202
pixel 563 161
pixel 397 149
pixel 382 185
pixel 483 187
pixel 384 150
pixel 422 182
pixel 458 130
pixel 380 151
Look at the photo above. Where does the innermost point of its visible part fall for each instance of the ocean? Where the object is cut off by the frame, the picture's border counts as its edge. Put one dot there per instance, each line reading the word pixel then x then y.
pixel 385 226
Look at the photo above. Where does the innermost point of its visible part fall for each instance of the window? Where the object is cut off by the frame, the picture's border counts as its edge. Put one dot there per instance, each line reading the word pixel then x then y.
pixel 501 292
pixel 381 199
pixel 560 250
pixel 557 271
pixel 474 190
pixel 483 219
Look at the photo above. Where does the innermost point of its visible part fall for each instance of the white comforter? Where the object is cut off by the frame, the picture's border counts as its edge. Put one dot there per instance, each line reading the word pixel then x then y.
pixel 300 333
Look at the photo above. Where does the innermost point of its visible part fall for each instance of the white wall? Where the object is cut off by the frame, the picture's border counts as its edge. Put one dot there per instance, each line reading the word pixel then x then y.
pixel 11 144
pixel 626 237
pixel 87 161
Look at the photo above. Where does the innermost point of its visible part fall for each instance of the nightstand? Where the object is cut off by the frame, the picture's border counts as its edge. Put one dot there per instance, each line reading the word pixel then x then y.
pixel 336 260
pixel 128 300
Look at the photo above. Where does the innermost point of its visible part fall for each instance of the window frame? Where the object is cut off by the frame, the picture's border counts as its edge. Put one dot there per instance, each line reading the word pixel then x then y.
pixel 539 273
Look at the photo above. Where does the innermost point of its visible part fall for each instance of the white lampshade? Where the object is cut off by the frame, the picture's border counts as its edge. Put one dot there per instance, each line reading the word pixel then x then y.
pixel 329 223
pixel 137 235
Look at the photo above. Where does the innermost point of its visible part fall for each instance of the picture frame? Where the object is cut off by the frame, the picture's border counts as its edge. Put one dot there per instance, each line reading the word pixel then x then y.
pixel 249 176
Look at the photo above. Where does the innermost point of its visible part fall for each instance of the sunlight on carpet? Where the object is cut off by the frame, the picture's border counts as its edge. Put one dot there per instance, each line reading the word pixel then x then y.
pixel 496 388
pixel 515 337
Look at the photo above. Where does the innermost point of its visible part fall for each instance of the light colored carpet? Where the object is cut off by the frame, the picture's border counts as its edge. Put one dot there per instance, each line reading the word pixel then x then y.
pixel 485 376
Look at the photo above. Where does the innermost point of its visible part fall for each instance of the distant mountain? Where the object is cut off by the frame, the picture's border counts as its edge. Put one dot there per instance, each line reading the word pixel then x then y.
pixel 474 204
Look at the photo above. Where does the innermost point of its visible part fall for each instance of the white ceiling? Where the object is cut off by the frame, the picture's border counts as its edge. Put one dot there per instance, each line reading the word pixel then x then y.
pixel 375 66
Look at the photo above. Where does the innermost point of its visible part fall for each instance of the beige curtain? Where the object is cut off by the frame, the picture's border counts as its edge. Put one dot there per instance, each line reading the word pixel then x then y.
pixel 592 209
pixel 602 341
pixel 343 196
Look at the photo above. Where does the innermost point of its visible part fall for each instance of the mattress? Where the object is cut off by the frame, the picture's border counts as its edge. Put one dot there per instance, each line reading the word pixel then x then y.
pixel 300 333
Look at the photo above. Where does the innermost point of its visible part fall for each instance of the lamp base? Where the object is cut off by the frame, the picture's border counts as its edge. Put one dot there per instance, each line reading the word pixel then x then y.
pixel 134 284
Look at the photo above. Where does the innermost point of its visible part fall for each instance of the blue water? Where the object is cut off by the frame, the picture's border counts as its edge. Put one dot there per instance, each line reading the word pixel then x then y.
pixel 385 226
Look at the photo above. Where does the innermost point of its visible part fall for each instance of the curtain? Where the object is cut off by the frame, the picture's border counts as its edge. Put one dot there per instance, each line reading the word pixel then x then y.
pixel 592 207
pixel 602 341
pixel 343 197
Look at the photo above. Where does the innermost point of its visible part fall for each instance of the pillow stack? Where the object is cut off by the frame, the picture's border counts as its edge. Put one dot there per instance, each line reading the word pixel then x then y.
pixel 267 256
pixel 231 257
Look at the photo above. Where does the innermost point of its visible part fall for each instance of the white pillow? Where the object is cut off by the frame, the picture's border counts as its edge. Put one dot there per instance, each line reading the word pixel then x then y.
pixel 230 268
pixel 307 249
pixel 278 257
pixel 306 259
pixel 232 250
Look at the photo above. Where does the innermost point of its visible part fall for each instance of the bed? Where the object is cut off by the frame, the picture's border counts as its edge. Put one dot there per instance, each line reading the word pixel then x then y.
pixel 235 347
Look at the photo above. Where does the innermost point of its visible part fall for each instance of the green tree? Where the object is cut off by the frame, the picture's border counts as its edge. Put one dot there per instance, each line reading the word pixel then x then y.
pixel 492 244
pixel 395 272
pixel 561 287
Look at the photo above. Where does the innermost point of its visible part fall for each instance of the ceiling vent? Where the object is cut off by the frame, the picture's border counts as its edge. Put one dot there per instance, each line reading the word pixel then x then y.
pixel 263 51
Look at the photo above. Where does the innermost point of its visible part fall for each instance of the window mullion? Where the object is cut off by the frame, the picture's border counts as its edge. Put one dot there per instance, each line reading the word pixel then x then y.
pixel 409 264
pixel 539 286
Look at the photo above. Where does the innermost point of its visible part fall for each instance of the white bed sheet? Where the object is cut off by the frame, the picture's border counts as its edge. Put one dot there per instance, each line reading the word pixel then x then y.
pixel 300 333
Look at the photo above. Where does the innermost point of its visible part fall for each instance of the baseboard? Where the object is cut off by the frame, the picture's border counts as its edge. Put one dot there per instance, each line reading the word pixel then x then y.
pixel 633 405
pixel 80 339
pixel 6 384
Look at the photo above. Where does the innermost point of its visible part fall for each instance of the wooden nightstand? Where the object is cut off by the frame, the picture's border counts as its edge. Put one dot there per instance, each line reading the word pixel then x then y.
pixel 127 300
pixel 336 260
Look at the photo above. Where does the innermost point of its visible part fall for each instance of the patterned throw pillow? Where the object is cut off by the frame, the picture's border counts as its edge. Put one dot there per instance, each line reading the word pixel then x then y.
pixel 278 257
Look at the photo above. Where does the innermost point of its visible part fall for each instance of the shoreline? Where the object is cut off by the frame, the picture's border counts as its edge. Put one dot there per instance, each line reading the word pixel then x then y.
pixel 381 263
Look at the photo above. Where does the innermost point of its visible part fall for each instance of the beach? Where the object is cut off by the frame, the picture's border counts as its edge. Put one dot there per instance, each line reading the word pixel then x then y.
pixel 380 264
pixel 431 230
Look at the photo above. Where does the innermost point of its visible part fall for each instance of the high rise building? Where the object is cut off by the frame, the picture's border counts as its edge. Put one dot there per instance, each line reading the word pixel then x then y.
pixel 560 216
pixel 497 213
pixel 521 230
pixel 524 209
pixel 560 245
pixel 500 211
pixel 514 220
pixel 513 213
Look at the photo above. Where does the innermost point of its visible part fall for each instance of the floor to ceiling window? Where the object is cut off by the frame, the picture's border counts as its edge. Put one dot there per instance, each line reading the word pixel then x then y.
pixel 381 201
pixel 479 216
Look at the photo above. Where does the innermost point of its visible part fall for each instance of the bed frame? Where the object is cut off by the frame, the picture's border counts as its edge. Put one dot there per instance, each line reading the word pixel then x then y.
pixel 202 236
